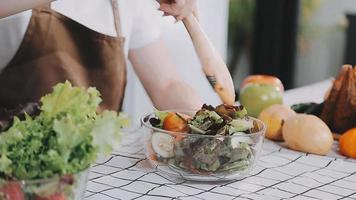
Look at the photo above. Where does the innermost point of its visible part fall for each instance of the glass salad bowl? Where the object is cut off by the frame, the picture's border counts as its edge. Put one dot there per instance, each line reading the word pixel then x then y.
pixel 202 157
pixel 69 187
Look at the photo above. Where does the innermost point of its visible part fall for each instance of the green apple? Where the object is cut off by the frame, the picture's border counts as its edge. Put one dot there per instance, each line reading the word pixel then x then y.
pixel 255 97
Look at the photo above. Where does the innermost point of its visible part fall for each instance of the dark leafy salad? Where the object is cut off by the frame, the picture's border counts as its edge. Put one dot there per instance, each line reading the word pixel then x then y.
pixel 62 136
pixel 210 141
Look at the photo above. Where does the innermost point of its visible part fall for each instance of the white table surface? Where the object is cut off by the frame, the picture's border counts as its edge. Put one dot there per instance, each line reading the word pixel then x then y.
pixel 280 173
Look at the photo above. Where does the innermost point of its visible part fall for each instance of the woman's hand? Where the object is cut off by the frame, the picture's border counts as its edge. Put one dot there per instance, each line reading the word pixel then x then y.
pixel 179 9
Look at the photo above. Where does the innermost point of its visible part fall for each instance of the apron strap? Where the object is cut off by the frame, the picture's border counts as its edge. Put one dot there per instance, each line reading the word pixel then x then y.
pixel 115 10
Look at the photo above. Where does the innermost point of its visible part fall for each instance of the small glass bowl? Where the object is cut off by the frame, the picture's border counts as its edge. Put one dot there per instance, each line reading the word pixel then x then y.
pixel 68 187
pixel 202 157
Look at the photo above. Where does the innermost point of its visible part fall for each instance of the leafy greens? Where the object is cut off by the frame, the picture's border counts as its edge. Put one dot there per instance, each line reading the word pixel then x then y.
pixel 65 138
pixel 222 149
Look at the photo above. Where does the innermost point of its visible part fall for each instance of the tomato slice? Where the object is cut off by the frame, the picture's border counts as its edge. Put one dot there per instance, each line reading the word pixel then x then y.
pixel 173 122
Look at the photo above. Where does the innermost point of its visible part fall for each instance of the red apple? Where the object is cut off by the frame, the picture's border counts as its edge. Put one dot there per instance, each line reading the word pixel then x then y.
pixel 263 79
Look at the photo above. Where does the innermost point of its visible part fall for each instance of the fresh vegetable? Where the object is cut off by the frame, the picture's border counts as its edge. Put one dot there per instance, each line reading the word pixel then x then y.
pixel 7 115
pixel 163 144
pixel 211 155
pixel 53 197
pixel 239 141
pixel 309 108
pixel 11 191
pixel 205 121
pixel 240 125
pixel 307 133
pixel 274 117
pixel 157 121
pixel 187 150
pixel 339 111
pixel 174 122
pixel 256 97
pixel 347 143
pixel 66 136
pixel 228 112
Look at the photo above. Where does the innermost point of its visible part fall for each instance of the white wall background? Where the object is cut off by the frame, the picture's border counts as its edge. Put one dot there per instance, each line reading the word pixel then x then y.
pixel 325 53
pixel 213 15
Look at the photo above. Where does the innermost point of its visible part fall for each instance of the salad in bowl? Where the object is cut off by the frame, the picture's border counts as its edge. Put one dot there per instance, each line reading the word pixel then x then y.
pixel 212 144
pixel 46 149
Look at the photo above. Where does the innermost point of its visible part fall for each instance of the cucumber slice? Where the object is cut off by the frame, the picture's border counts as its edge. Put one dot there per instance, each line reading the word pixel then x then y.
pixel 163 144
pixel 237 141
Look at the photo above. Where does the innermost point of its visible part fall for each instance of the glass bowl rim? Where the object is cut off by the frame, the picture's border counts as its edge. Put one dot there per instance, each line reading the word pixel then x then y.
pixel 146 124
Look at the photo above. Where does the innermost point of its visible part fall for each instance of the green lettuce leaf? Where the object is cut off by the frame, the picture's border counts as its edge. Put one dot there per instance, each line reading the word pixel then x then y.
pixel 110 124
pixel 66 138
pixel 70 100
pixel 161 116
pixel 241 113
pixel 240 125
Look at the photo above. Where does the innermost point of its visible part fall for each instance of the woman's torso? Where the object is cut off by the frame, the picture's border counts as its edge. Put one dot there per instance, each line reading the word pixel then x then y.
pixel 72 41
pixel 95 14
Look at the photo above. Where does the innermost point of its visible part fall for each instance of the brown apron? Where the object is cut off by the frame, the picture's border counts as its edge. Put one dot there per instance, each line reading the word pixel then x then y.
pixel 55 49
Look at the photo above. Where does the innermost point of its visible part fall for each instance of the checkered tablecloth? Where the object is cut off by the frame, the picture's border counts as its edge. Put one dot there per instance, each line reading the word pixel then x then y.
pixel 280 174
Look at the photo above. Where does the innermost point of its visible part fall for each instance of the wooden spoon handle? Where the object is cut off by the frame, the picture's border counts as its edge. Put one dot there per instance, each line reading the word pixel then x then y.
pixel 211 61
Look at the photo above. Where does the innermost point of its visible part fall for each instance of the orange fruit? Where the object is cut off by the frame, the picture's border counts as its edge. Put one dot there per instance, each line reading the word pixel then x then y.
pixel 347 143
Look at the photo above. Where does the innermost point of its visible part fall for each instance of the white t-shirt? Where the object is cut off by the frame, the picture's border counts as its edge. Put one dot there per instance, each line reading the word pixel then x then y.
pixel 139 22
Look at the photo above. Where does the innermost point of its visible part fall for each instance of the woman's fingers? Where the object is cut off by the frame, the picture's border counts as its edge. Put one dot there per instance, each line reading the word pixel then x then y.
pixel 168 9
pixel 179 9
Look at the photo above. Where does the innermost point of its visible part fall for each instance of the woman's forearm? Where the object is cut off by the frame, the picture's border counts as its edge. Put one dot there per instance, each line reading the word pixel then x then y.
pixel 161 78
pixel 177 95
pixel 11 7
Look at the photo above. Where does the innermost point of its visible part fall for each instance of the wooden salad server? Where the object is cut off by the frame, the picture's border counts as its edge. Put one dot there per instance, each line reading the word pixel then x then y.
pixel 212 63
